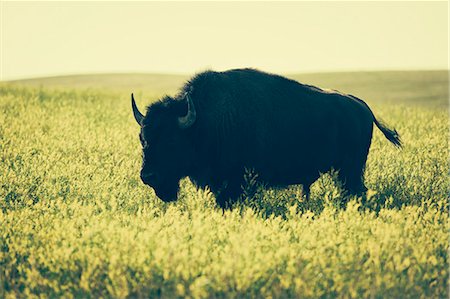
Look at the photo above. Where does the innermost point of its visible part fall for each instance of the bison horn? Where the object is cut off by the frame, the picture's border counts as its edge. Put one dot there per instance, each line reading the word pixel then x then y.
pixel 137 115
pixel 188 120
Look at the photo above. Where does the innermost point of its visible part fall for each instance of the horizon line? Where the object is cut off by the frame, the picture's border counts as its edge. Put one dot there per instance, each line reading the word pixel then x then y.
pixel 165 73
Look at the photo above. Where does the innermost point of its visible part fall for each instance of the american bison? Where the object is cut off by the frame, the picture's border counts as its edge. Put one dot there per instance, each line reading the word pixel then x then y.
pixel 222 123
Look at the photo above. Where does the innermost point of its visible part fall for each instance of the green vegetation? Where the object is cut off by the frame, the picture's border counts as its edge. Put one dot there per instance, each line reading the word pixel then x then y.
pixel 75 220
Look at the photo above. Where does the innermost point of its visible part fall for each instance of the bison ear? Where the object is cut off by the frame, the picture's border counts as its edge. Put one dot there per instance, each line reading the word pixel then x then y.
pixel 137 115
pixel 188 120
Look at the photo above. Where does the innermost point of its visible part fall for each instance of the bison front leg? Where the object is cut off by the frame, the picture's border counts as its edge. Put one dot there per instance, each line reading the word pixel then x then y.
pixel 307 191
pixel 228 194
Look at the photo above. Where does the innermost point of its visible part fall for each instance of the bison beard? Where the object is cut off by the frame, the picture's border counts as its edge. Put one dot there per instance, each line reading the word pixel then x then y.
pixel 222 123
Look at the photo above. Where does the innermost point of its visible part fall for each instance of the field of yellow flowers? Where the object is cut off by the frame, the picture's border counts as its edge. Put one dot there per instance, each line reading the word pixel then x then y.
pixel 75 220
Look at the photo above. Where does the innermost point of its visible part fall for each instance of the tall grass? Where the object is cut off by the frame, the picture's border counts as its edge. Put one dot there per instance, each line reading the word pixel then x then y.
pixel 75 220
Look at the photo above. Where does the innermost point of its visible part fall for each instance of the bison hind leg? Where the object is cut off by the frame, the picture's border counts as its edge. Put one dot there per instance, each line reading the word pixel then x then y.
pixel 352 181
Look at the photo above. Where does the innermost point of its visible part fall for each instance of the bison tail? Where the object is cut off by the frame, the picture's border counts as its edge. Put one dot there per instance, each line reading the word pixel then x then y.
pixel 391 134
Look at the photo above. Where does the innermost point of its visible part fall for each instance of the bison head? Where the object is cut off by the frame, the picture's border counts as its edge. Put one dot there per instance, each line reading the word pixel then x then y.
pixel 167 148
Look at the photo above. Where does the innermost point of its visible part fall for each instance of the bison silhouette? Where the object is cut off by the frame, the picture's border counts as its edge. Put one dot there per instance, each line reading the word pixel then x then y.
pixel 222 123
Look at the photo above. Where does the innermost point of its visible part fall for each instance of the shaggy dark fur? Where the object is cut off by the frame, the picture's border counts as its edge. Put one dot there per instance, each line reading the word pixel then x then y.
pixel 287 132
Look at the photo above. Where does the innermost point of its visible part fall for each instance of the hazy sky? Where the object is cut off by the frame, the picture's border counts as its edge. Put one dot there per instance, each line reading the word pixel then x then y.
pixel 51 38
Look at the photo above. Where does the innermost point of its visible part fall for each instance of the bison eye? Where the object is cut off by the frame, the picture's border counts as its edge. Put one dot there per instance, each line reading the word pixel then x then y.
pixel 143 142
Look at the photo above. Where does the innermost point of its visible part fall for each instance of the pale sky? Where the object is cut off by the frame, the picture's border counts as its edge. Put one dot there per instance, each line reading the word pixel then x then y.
pixel 54 38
